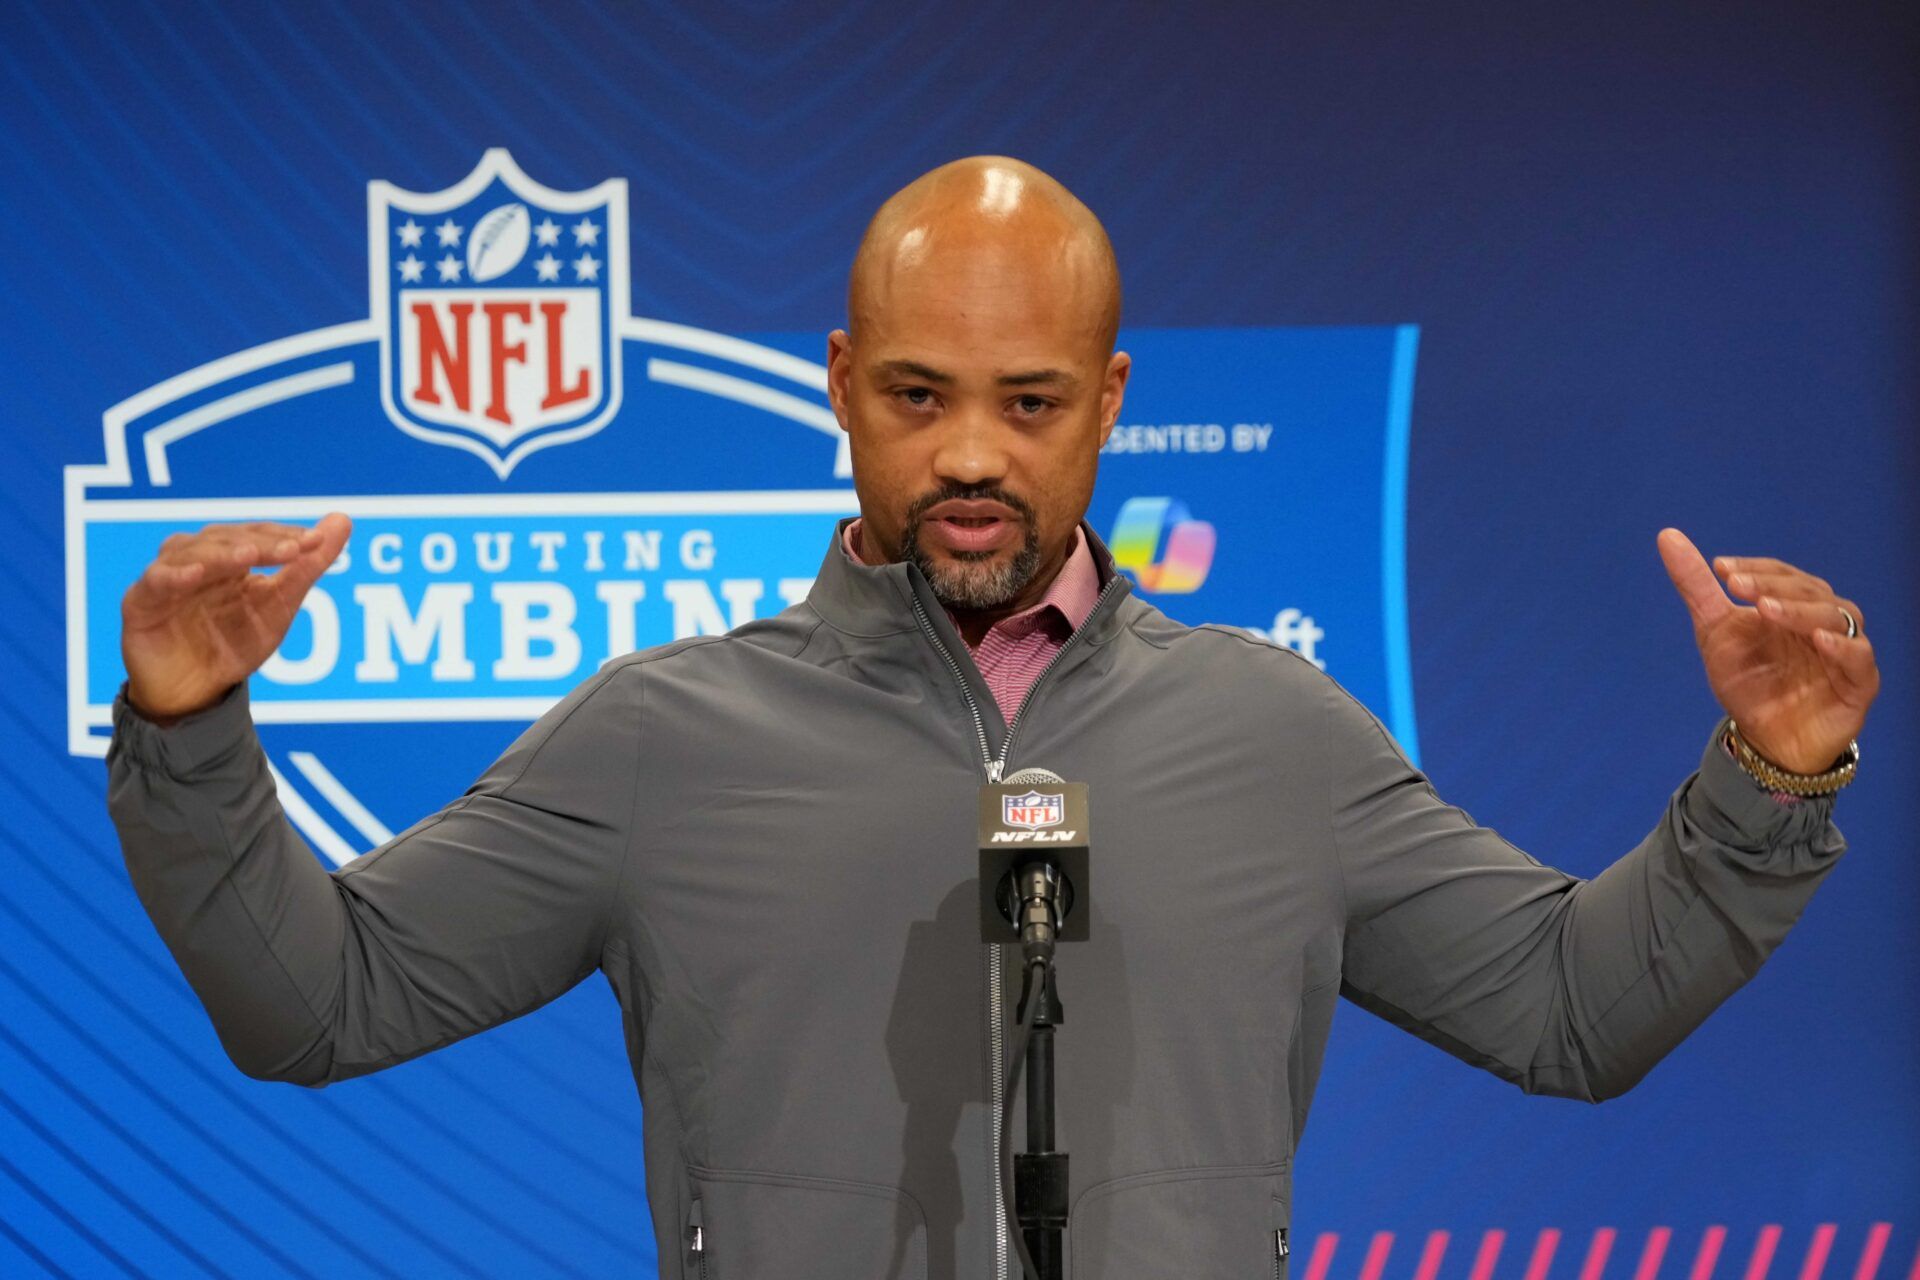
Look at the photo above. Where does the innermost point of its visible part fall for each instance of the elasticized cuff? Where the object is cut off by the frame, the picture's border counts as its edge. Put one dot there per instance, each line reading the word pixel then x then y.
pixel 1731 805
pixel 188 743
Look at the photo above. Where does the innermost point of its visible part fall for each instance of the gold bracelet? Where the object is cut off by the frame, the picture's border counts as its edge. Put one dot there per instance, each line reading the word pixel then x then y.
pixel 1774 778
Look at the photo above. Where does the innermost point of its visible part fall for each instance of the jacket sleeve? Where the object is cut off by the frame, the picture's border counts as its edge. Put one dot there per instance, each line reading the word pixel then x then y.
pixel 1560 985
pixel 477 914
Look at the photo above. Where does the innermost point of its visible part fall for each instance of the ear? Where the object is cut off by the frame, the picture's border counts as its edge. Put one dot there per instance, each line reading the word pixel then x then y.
pixel 839 372
pixel 1112 391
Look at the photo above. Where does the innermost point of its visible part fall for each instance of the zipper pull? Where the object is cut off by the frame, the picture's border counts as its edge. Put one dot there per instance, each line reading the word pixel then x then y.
pixel 996 769
pixel 1280 1243
pixel 696 1233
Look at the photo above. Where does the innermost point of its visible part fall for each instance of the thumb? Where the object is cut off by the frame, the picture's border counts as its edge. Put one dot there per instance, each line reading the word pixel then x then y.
pixel 294 578
pixel 1692 578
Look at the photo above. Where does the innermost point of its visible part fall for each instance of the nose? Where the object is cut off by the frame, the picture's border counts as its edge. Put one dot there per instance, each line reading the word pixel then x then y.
pixel 972 448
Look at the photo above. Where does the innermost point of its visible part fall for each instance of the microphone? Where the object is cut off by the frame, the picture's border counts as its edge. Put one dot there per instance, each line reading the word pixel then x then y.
pixel 1039 897
pixel 1033 861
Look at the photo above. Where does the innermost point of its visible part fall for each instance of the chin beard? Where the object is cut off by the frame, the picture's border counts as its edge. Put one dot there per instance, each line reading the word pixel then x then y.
pixel 979 579
pixel 973 579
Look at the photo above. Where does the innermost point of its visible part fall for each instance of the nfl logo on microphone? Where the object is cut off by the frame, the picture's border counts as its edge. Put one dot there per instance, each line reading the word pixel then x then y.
pixel 1033 810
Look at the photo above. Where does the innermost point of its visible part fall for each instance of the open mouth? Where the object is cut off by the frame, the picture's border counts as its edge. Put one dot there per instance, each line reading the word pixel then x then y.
pixel 972 524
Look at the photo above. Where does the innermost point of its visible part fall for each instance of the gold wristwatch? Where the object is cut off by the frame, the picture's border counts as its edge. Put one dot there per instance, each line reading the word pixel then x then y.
pixel 1774 778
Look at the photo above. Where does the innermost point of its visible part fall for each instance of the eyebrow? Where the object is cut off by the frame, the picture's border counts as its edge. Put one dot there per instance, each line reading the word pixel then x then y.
pixel 909 369
pixel 1037 377
pixel 1030 378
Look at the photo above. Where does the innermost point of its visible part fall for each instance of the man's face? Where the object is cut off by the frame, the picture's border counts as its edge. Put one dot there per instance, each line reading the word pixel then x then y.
pixel 977 396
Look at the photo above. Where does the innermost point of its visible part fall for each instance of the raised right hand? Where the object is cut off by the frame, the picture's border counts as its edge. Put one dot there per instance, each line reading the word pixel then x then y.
pixel 199 621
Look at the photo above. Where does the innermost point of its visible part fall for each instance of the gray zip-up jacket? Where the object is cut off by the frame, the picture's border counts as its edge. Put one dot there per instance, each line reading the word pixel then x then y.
pixel 766 841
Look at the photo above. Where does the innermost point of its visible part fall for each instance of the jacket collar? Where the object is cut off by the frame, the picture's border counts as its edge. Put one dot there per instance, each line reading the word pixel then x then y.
pixel 878 600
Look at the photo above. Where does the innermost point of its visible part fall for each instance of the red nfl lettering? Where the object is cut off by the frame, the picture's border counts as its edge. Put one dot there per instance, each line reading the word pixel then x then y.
pixel 503 351
pixel 446 364
pixel 558 395
pixel 452 365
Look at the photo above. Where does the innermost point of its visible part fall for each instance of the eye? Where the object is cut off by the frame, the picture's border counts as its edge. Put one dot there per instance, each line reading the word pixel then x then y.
pixel 1032 406
pixel 914 397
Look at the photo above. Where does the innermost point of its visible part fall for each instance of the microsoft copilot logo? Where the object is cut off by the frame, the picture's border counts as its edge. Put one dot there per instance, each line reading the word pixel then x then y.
pixel 1158 541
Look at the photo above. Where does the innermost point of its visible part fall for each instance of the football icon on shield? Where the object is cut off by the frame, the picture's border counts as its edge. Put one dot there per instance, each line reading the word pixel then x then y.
pixel 500 302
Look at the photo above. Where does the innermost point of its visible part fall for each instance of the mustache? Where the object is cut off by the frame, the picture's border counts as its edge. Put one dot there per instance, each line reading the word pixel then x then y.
pixel 987 493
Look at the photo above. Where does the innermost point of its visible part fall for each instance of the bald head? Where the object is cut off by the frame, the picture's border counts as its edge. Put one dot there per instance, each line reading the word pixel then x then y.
pixel 993 224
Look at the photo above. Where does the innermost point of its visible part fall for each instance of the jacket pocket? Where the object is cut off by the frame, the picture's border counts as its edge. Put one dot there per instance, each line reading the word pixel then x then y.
pixel 777 1226
pixel 1222 1222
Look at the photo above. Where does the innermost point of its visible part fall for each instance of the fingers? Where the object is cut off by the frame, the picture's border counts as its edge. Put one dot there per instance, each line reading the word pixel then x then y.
pixel 156 589
pixel 1806 604
pixel 1849 662
pixel 334 529
pixel 1788 583
pixel 292 581
pixel 1792 597
pixel 1811 616
pixel 1692 578
pixel 1724 565
pixel 1850 665
pixel 258 529
pixel 1782 586
pixel 256 543
pixel 227 549
pixel 219 555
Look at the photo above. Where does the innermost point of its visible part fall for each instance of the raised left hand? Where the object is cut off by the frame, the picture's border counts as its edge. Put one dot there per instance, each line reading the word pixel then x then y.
pixel 1783 666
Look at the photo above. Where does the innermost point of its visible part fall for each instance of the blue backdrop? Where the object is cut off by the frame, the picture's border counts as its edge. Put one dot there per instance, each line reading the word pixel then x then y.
pixel 1437 320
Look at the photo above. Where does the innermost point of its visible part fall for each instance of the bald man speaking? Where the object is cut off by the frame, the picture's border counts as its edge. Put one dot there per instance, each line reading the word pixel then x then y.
pixel 766 840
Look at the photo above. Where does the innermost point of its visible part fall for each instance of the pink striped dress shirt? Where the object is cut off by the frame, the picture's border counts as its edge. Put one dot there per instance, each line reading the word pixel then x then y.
pixel 1018 648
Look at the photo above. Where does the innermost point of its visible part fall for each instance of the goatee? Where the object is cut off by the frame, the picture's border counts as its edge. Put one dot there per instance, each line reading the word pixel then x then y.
pixel 973 579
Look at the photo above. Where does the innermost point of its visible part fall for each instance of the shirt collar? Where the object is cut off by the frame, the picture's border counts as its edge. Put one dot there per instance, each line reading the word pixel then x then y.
pixel 1071 595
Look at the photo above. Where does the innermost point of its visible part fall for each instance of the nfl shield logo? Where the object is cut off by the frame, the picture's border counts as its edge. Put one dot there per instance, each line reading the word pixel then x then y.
pixel 1033 810
pixel 500 302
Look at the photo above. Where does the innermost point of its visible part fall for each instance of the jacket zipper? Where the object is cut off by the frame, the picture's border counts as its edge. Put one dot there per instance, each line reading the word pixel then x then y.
pixel 697 1239
pixel 996 982
pixel 1280 1254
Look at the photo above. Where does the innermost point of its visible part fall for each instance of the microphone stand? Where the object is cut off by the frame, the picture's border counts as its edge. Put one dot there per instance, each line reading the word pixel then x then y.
pixel 1040 1173
pixel 1033 868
